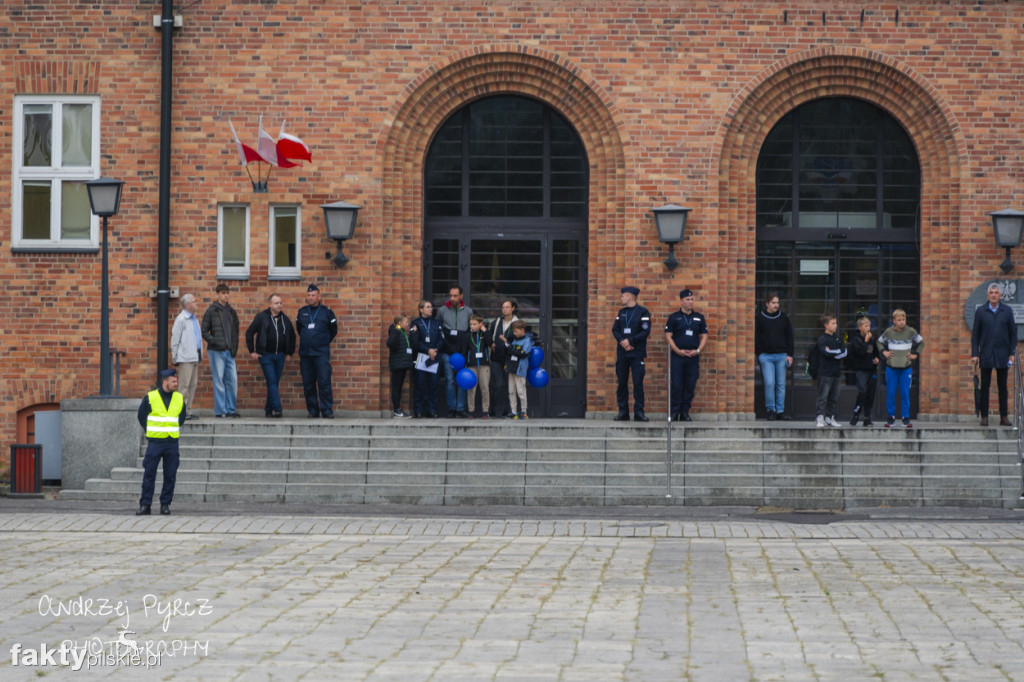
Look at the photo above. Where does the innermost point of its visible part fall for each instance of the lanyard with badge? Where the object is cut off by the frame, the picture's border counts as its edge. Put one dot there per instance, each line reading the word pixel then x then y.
pixel 476 342
pixel 426 323
pixel 408 344
pixel 312 317
pixel 688 320
pixel 628 329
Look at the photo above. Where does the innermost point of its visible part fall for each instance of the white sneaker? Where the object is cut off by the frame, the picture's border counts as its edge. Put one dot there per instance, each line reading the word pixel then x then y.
pixel 820 421
pixel 831 421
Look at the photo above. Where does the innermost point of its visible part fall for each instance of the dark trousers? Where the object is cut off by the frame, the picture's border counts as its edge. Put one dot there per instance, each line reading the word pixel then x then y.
pixel 499 390
pixel 867 382
pixel 157 449
pixel 685 372
pixel 316 384
pixel 272 365
pixel 623 367
pixel 425 395
pixel 397 383
pixel 828 395
pixel 986 384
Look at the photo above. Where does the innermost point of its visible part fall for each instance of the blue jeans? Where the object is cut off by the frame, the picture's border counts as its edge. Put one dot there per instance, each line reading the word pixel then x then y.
pixel 225 381
pixel 773 371
pixel 272 365
pixel 898 379
pixel 456 396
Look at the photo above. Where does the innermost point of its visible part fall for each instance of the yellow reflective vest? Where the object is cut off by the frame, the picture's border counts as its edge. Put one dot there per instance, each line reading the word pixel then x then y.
pixel 162 421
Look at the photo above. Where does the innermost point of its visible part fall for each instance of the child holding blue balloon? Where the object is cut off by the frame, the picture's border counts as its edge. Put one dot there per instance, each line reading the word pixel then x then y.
pixel 478 362
pixel 518 364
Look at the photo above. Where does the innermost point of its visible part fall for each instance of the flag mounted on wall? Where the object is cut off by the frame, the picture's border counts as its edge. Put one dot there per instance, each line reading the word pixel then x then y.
pixel 287 152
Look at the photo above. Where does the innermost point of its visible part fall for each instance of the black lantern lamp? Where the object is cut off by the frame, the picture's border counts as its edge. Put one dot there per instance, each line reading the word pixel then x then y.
pixel 671 222
pixel 105 200
pixel 340 218
pixel 1008 226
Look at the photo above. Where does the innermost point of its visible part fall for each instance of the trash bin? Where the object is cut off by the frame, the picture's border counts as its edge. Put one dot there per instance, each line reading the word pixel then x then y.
pixel 27 469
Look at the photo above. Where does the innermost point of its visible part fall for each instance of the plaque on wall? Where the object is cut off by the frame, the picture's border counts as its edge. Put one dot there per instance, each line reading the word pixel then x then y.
pixel 1013 296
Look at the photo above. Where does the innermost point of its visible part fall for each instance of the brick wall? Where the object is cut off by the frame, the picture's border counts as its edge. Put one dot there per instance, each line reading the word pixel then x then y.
pixel 672 101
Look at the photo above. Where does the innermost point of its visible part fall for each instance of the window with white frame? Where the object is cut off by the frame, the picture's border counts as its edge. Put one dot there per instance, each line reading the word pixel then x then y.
pixel 56 151
pixel 285 242
pixel 233 241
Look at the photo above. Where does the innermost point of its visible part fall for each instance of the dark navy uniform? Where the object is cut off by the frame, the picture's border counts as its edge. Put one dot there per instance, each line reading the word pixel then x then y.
pixel 633 324
pixel 686 331
pixel 426 335
pixel 316 328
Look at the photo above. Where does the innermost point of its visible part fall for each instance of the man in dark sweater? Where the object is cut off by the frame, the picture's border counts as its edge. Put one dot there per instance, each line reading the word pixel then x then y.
pixel 773 347
pixel 993 341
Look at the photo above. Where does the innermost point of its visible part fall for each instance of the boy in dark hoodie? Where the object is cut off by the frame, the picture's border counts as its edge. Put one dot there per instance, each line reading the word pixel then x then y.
pixel 831 351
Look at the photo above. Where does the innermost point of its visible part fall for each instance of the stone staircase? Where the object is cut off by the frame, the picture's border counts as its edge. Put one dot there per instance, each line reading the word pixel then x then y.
pixel 582 462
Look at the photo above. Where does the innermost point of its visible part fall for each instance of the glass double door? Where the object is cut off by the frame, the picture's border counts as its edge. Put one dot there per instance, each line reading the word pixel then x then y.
pixel 546 276
pixel 846 280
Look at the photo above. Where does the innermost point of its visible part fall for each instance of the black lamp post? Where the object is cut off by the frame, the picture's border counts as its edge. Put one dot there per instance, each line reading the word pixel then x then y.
pixel 340 218
pixel 671 222
pixel 1008 226
pixel 105 200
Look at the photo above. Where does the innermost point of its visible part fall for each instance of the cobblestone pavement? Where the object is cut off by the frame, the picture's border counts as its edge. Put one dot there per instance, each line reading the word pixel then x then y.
pixel 222 596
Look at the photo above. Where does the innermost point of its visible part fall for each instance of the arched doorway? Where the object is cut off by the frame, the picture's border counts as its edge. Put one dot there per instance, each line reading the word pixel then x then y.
pixel 838 227
pixel 505 216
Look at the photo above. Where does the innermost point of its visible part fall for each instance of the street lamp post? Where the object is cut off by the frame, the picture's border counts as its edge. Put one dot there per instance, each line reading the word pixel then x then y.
pixel 340 219
pixel 105 200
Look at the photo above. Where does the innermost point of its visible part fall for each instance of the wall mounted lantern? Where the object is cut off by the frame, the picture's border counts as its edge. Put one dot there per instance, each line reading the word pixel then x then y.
pixel 1008 226
pixel 340 218
pixel 671 222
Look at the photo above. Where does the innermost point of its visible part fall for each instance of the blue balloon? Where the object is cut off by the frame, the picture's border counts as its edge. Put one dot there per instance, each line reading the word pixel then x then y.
pixel 457 361
pixel 466 379
pixel 538 378
pixel 536 358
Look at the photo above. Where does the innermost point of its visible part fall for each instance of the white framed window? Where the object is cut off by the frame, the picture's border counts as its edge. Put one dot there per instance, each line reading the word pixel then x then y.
pixel 56 151
pixel 233 241
pixel 285 243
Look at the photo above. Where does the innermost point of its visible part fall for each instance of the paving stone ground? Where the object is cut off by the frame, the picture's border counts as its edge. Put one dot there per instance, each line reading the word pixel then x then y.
pixel 387 596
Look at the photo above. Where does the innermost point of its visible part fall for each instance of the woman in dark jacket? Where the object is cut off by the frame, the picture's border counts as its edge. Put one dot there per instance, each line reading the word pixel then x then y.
pixel 401 358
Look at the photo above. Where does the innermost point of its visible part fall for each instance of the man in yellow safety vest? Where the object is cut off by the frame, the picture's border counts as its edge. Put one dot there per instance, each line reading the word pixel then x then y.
pixel 161 413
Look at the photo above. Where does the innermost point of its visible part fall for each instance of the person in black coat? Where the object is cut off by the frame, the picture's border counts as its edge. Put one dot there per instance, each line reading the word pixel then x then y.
pixel 993 342
pixel 401 359
pixel 427 339
pixel 270 338
pixel 862 359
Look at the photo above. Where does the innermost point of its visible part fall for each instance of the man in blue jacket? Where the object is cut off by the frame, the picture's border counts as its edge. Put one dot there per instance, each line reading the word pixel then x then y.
pixel 316 327
pixel 631 328
pixel 993 341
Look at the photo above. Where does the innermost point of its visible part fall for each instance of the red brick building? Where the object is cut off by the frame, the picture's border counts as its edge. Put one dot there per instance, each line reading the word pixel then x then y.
pixel 665 102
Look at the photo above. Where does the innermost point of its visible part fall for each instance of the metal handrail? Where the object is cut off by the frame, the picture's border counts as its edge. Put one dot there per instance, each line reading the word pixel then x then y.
pixel 1018 415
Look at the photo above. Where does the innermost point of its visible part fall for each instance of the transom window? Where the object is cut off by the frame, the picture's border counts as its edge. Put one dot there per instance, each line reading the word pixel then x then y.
pixel 842 167
pixel 56 151
pixel 506 157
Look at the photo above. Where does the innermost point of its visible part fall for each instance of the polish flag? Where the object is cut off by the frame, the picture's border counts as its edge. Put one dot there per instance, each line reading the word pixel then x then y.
pixel 245 152
pixel 266 147
pixel 291 147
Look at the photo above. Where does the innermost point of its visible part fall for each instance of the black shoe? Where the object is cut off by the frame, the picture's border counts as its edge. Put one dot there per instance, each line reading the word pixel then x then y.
pixel 277 414
pixel 684 417
pixel 855 419
pixel 234 415
pixel 268 414
pixel 622 416
pixel 220 416
pixel 640 417
pixel 314 415
pixel 782 417
pixel 890 421
pixel 165 509
pixel 432 415
pixel 417 415
pixel 328 415
pixel 191 416
pixel 771 416
pixel 463 414
pixel 143 510
pixel 868 422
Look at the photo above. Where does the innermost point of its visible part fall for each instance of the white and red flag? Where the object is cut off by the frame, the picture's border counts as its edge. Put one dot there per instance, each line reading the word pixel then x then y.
pixel 245 152
pixel 292 148
pixel 266 147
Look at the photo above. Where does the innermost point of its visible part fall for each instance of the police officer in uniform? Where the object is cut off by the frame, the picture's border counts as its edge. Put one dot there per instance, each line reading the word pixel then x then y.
pixel 686 332
pixel 161 413
pixel 631 329
pixel 316 326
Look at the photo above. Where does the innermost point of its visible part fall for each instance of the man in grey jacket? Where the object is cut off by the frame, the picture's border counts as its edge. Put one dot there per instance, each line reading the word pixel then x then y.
pixel 454 318
pixel 187 349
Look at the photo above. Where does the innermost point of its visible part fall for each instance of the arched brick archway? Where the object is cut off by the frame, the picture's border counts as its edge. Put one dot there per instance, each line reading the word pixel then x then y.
pixel 437 93
pixel 881 80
